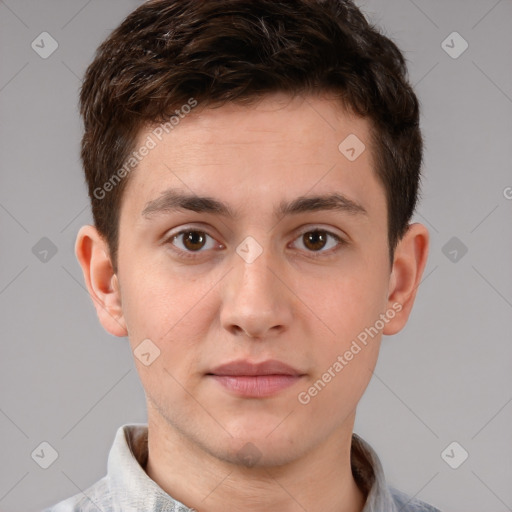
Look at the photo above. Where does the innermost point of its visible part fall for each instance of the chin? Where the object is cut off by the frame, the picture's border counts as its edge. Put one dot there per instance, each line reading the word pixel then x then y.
pixel 258 447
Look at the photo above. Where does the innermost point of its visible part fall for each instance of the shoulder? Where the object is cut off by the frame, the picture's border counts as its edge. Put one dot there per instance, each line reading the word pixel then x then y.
pixel 405 503
pixel 97 497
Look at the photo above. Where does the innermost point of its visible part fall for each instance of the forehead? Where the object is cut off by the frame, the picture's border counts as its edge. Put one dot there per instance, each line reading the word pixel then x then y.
pixel 260 154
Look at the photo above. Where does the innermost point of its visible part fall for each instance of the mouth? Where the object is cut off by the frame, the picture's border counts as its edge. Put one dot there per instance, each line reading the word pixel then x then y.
pixel 255 380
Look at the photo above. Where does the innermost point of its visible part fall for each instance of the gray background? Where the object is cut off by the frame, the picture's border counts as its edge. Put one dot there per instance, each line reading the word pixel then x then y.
pixel 447 377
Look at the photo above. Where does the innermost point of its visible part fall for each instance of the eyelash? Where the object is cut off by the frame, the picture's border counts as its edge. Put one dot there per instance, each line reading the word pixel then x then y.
pixel 195 254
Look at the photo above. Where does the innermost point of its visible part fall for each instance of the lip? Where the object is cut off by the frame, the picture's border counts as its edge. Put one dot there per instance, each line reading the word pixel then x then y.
pixel 255 380
pixel 246 368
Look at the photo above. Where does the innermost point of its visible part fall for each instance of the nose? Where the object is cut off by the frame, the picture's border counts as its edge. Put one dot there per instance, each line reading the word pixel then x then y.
pixel 255 302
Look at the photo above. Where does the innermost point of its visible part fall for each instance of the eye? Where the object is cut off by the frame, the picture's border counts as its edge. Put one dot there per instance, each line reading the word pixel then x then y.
pixel 192 240
pixel 318 241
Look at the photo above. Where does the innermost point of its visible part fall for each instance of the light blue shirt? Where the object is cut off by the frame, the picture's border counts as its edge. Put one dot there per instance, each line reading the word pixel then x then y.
pixel 127 487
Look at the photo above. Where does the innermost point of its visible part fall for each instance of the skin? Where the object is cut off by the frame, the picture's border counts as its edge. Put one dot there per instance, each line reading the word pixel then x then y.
pixel 287 304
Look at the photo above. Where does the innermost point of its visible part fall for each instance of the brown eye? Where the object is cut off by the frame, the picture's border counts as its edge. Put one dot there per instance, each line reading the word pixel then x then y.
pixel 189 244
pixel 193 240
pixel 314 240
pixel 318 242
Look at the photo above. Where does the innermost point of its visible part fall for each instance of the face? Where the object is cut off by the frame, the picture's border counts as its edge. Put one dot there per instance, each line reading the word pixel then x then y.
pixel 248 236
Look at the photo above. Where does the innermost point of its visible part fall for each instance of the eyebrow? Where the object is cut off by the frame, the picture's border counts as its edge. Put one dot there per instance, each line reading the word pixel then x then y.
pixel 173 200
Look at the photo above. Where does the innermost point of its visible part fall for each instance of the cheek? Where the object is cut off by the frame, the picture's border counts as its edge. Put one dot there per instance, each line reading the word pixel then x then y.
pixel 167 308
pixel 340 385
pixel 344 361
pixel 175 315
pixel 348 303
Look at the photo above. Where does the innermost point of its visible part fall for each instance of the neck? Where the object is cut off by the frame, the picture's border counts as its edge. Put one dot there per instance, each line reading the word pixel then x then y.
pixel 320 480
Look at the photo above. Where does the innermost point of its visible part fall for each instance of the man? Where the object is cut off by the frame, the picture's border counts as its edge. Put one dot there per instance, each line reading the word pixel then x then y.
pixel 252 167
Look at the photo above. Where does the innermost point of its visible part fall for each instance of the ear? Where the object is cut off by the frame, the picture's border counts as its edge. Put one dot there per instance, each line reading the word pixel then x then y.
pixel 93 255
pixel 408 265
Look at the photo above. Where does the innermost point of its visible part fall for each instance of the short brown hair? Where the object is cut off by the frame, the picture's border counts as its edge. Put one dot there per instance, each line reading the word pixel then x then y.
pixel 217 51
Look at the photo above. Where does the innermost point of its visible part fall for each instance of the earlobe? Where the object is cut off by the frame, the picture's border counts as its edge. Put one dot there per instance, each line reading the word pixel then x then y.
pixel 102 283
pixel 408 266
